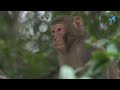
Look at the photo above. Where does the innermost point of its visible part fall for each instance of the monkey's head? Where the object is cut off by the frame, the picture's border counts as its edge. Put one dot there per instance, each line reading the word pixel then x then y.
pixel 65 29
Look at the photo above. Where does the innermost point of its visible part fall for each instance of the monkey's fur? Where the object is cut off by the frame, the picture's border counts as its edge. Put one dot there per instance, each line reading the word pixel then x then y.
pixel 75 53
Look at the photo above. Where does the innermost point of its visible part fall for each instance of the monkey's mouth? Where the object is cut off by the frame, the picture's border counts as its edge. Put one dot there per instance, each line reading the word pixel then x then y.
pixel 58 45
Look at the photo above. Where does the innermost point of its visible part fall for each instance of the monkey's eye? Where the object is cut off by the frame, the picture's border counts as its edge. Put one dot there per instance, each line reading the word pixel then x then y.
pixel 53 31
pixel 59 29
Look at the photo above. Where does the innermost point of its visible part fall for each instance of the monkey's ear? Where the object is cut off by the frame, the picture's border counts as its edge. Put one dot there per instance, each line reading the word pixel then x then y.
pixel 78 22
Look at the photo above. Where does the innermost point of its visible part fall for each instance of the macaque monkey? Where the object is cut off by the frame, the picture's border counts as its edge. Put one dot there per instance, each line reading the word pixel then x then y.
pixel 69 41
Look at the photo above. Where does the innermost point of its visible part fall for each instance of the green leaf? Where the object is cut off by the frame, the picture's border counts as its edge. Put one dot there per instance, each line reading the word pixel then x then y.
pixel 67 72
pixel 111 48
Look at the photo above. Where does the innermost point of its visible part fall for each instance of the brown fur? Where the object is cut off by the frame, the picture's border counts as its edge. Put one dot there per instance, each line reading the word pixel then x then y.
pixel 75 53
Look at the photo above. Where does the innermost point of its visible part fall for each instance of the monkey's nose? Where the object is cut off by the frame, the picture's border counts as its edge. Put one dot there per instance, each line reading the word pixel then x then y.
pixel 55 39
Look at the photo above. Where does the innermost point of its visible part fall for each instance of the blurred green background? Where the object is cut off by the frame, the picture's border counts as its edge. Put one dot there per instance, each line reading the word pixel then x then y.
pixel 26 48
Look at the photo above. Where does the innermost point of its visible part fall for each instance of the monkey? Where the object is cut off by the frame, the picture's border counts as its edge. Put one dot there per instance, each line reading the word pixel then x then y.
pixel 69 40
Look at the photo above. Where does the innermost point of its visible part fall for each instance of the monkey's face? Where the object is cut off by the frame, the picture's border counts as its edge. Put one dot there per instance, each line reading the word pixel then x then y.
pixel 58 31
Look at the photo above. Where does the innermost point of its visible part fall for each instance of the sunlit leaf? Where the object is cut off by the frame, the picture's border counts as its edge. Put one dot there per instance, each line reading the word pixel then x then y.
pixel 112 48
pixel 67 72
